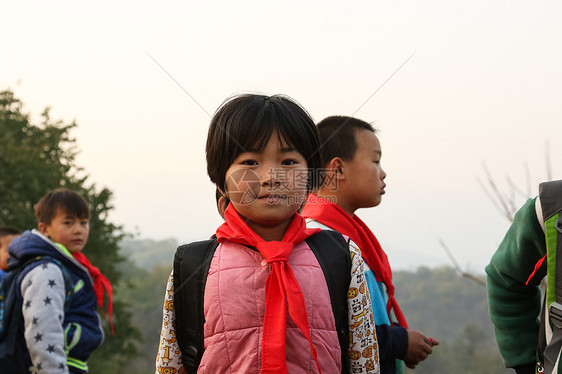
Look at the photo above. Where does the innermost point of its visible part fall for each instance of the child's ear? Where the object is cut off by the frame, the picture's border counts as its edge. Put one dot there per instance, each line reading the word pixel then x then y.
pixel 336 167
pixel 43 229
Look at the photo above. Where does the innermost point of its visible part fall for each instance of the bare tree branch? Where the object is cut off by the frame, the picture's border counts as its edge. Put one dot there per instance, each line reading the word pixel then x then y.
pixel 497 197
pixel 478 280
pixel 506 202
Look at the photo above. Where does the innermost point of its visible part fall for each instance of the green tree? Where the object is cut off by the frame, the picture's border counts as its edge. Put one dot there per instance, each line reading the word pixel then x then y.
pixel 37 158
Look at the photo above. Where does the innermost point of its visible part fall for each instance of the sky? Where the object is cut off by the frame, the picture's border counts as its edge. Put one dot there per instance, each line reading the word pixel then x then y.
pixel 454 89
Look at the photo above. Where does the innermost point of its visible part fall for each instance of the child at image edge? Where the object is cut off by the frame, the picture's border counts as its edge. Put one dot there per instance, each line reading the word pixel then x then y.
pixel 59 340
pixel 260 153
pixel 7 234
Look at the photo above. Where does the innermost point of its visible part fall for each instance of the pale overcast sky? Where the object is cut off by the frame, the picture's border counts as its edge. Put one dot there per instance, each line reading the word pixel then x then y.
pixel 482 84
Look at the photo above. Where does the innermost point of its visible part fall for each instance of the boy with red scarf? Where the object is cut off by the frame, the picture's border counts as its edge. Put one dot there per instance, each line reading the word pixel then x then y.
pixel 60 331
pixel 354 179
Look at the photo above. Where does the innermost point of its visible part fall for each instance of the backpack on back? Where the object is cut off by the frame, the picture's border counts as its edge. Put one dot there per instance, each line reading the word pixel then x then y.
pixel 550 334
pixel 14 356
pixel 191 266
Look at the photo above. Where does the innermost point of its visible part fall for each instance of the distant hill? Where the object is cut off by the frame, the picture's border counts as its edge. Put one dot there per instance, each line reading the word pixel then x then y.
pixel 453 310
pixel 147 253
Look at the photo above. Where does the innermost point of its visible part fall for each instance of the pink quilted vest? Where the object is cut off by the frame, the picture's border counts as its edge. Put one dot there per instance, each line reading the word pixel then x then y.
pixel 235 306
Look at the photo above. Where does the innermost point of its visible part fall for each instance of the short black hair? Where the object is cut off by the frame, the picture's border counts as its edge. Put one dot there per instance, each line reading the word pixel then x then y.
pixel 7 230
pixel 245 123
pixel 337 137
pixel 61 198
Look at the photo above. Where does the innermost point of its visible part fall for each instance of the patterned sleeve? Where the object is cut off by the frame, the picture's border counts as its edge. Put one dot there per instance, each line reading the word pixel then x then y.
pixel 43 292
pixel 363 346
pixel 168 359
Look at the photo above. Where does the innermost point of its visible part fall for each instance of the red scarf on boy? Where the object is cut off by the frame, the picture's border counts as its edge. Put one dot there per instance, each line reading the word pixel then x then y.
pixel 281 287
pixel 333 216
pixel 100 282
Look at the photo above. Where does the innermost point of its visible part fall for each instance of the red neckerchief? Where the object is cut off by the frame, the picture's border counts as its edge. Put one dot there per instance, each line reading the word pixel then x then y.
pixel 333 216
pixel 537 267
pixel 100 282
pixel 281 287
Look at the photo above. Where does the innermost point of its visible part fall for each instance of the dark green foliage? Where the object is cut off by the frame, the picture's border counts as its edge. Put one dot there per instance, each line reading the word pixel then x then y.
pixel 37 158
pixel 33 158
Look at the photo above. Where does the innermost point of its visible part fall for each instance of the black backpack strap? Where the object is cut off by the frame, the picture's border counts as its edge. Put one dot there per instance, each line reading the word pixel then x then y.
pixel 332 251
pixel 191 265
